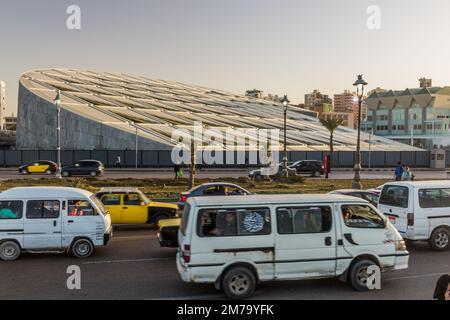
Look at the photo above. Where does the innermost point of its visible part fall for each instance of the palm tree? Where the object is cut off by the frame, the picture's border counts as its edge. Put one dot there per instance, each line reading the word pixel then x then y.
pixel 331 124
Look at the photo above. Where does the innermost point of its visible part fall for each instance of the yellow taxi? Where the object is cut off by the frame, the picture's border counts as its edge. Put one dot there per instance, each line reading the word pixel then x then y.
pixel 40 166
pixel 167 232
pixel 131 206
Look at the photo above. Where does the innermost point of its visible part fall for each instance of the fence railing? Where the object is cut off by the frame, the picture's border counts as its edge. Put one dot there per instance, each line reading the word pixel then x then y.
pixel 162 158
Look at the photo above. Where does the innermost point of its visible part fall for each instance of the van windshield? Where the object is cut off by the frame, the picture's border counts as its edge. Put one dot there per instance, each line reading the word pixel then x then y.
pixel 395 196
pixel 185 218
pixel 98 204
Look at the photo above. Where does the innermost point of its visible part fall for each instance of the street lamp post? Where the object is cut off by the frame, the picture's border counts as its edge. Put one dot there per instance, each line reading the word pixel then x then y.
pixel 58 134
pixel 360 83
pixel 285 173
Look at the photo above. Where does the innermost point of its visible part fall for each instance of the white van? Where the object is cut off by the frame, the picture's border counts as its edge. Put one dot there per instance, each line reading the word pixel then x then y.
pixel 236 242
pixel 420 210
pixel 55 219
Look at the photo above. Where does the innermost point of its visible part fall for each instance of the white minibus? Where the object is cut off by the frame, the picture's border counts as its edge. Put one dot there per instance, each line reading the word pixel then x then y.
pixel 236 242
pixel 51 219
pixel 420 210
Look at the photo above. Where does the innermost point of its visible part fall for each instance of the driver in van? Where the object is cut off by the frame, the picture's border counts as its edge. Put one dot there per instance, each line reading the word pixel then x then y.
pixel 346 214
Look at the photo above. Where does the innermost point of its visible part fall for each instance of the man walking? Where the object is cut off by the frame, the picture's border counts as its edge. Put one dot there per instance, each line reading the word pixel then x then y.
pixel 398 173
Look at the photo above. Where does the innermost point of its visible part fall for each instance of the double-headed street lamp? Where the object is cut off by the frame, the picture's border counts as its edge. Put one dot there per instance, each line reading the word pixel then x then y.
pixel 285 173
pixel 360 83
pixel 57 102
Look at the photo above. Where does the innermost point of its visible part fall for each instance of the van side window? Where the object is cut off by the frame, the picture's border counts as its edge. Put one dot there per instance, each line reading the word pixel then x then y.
pixel 296 220
pixel 11 210
pixel 42 209
pixel 361 216
pixel 434 198
pixel 78 208
pixel 111 199
pixel 233 222
pixel 396 196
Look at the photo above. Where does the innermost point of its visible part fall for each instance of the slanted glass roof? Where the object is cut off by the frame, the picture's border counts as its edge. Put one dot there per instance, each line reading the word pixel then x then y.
pixel 158 107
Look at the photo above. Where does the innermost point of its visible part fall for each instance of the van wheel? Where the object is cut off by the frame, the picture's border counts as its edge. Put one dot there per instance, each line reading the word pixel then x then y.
pixel 93 174
pixel 48 171
pixel 65 174
pixel 82 248
pixel 440 239
pixel 316 174
pixel 24 171
pixel 358 275
pixel 238 283
pixel 9 251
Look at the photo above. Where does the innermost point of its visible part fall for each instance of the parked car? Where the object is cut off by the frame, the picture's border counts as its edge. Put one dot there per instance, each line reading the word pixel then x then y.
pixel 259 173
pixel 40 166
pixel 313 167
pixel 59 219
pixel 91 168
pixel 237 242
pixel 167 230
pixel 367 195
pixel 212 189
pixel 131 206
pixel 419 210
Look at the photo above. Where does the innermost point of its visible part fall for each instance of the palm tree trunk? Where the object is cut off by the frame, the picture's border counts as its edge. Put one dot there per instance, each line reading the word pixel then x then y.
pixel 331 152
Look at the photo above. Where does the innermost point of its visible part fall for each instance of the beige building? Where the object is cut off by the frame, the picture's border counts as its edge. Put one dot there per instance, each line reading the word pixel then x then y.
pixel 348 102
pixel 347 117
pixel 318 102
pixel 10 122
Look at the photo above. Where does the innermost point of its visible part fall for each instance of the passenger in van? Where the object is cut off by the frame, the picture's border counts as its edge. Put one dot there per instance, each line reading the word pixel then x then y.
pixel 225 224
pixel 74 208
pixel 7 213
pixel 346 215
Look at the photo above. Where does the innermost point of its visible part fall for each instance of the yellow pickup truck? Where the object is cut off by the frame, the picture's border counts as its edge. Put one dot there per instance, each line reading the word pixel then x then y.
pixel 131 206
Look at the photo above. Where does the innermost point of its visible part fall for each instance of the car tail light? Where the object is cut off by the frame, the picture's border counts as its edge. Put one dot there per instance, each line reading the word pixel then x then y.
pixel 183 198
pixel 410 219
pixel 187 253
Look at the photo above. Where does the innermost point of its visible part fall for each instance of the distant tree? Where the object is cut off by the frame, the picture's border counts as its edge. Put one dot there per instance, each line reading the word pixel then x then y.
pixel 331 124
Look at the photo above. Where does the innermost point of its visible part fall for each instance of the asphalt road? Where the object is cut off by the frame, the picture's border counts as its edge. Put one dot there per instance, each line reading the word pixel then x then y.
pixel 133 266
pixel 6 174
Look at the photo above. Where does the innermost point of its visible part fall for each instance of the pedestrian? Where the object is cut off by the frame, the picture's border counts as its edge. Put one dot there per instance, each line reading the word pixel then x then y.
pixel 118 162
pixel 407 174
pixel 442 290
pixel 398 173
pixel 178 172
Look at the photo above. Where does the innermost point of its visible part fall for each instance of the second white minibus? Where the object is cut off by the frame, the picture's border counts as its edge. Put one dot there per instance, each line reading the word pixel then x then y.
pixel 236 242
pixel 420 210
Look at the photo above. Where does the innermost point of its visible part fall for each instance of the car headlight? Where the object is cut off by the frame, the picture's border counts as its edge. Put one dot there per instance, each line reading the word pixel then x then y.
pixel 400 245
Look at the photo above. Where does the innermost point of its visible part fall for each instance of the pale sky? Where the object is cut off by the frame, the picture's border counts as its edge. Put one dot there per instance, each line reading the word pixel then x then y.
pixel 279 46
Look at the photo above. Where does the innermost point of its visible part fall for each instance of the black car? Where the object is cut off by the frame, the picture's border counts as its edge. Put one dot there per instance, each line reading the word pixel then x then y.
pixel 314 167
pixel 91 168
pixel 212 189
pixel 368 195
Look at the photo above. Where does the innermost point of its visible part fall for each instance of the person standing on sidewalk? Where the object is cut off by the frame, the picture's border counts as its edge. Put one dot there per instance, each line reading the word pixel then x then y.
pixel 398 173
pixel 407 174
pixel 176 170
pixel 118 162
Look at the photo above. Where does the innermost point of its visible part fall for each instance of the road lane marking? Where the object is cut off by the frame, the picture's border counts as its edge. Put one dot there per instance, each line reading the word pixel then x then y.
pixel 129 260
pixel 426 275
